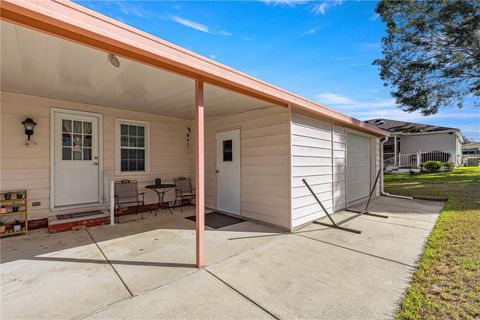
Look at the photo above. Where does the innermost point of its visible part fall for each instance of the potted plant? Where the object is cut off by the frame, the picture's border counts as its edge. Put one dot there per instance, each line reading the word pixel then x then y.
pixel 19 195
pixel 15 209
pixel 3 210
pixel 17 226
pixel 7 196
pixel 2 228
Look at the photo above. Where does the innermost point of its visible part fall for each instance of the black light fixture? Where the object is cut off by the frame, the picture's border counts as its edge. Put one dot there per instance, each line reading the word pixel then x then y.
pixel 29 124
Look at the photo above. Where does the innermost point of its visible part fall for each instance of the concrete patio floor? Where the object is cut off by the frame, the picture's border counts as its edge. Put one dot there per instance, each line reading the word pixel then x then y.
pixel 143 269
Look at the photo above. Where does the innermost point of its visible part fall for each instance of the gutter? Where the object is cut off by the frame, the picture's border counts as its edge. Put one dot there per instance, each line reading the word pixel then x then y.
pixel 382 182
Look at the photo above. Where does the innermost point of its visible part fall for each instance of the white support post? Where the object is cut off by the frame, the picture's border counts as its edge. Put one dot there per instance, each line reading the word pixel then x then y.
pixel 112 202
pixel 395 150
pixel 419 158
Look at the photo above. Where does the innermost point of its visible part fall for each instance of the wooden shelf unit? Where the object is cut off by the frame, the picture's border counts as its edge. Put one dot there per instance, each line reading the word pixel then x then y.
pixel 9 204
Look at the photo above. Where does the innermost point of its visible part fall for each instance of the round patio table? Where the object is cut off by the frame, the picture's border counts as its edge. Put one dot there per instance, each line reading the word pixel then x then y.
pixel 160 190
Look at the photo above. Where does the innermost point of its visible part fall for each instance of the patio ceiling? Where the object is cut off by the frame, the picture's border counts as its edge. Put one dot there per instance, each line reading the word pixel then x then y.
pixel 35 63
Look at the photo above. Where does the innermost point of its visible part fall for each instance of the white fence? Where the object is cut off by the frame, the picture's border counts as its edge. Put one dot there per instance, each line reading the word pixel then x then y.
pixel 414 160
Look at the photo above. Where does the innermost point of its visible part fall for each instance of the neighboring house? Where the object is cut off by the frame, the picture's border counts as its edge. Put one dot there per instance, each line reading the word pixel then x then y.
pixel 411 144
pixel 471 149
pixel 112 102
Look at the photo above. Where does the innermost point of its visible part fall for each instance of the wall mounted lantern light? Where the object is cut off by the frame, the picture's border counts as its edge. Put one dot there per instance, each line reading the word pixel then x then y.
pixel 29 124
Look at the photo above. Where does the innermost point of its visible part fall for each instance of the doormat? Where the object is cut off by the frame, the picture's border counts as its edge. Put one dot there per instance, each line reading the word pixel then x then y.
pixel 217 220
pixel 78 214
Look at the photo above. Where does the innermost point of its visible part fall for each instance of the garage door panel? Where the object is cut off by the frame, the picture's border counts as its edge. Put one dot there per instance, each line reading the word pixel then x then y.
pixel 358 167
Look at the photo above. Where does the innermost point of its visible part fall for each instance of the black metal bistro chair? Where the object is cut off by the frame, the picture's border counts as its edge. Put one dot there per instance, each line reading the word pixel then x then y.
pixel 183 191
pixel 127 195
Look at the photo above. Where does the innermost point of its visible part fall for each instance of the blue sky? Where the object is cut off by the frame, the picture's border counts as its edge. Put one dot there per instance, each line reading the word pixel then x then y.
pixel 321 50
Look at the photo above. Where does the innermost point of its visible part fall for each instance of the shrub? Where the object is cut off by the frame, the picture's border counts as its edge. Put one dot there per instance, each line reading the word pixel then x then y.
pixel 448 166
pixel 432 166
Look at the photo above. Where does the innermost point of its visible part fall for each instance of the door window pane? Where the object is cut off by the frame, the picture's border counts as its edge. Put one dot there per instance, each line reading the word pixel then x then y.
pixel 87 141
pixel 227 150
pixel 66 125
pixel 66 139
pixel 77 155
pixel 77 126
pixel 77 142
pixel 77 146
pixel 66 153
pixel 87 154
pixel 87 128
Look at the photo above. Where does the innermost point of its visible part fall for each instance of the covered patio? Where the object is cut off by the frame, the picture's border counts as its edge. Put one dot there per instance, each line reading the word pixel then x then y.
pixel 57 79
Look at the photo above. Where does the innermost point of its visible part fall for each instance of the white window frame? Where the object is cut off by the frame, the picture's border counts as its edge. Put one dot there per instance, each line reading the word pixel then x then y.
pixel 118 148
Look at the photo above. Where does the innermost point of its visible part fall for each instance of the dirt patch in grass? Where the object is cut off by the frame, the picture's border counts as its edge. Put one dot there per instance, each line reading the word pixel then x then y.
pixel 446 284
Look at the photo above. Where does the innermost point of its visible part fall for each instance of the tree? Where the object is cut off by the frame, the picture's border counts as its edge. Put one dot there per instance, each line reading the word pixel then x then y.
pixel 431 53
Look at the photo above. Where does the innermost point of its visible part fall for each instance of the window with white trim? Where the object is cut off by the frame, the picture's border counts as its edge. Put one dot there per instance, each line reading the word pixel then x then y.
pixel 132 140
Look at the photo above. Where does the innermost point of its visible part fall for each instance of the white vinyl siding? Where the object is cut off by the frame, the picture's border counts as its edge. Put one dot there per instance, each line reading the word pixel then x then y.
pixel 311 158
pixel 339 160
pixel 264 136
pixel 29 166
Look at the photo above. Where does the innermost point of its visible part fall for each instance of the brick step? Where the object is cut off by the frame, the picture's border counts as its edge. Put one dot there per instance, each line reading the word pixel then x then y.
pixel 55 225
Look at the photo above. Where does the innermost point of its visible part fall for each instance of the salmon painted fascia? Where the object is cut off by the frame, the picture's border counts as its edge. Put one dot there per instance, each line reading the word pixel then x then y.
pixel 73 22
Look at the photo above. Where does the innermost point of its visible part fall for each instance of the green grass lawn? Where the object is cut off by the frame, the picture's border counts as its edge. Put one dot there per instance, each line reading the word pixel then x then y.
pixel 446 284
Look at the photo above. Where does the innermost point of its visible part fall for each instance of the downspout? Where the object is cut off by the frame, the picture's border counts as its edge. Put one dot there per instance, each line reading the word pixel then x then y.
pixel 382 182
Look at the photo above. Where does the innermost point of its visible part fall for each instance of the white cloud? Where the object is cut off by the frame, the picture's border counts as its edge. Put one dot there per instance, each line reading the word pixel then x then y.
pixel 197 26
pixel 374 17
pixel 212 56
pixel 321 8
pixel 133 9
pixel 332 98
pixel 311 31
pixel 224 33
pixel 284 2
pixel 190 24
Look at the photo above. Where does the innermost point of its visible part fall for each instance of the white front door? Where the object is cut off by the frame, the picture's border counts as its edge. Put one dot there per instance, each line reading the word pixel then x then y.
pixel 358 167
pixel 76 159
pixel 228 171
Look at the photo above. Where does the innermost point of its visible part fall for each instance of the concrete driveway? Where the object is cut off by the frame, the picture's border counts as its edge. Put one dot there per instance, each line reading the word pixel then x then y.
pixel 143 269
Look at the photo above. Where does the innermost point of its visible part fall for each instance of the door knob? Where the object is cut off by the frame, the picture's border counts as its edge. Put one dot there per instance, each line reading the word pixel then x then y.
pixel 217 171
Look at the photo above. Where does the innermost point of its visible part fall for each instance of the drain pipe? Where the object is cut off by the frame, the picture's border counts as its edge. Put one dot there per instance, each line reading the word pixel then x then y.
pixel 382 181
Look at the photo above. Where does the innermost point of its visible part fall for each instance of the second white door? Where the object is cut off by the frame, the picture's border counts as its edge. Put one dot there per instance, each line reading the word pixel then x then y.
pixel 228 172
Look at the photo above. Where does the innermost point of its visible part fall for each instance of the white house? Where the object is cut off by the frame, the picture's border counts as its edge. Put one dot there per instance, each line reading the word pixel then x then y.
pixel 111 102
pixel 411 144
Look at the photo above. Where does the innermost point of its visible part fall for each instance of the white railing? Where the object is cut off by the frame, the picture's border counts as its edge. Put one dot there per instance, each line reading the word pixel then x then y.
pixel 389 159
pixel 442 156
pixel 109 195
pixel 414 160
pixel 408 160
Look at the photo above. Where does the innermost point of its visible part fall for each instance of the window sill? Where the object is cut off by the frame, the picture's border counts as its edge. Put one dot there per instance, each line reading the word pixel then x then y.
pixel 131 173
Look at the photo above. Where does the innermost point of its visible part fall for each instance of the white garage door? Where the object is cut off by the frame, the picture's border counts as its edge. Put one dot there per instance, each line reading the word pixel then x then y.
pixel 358 167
